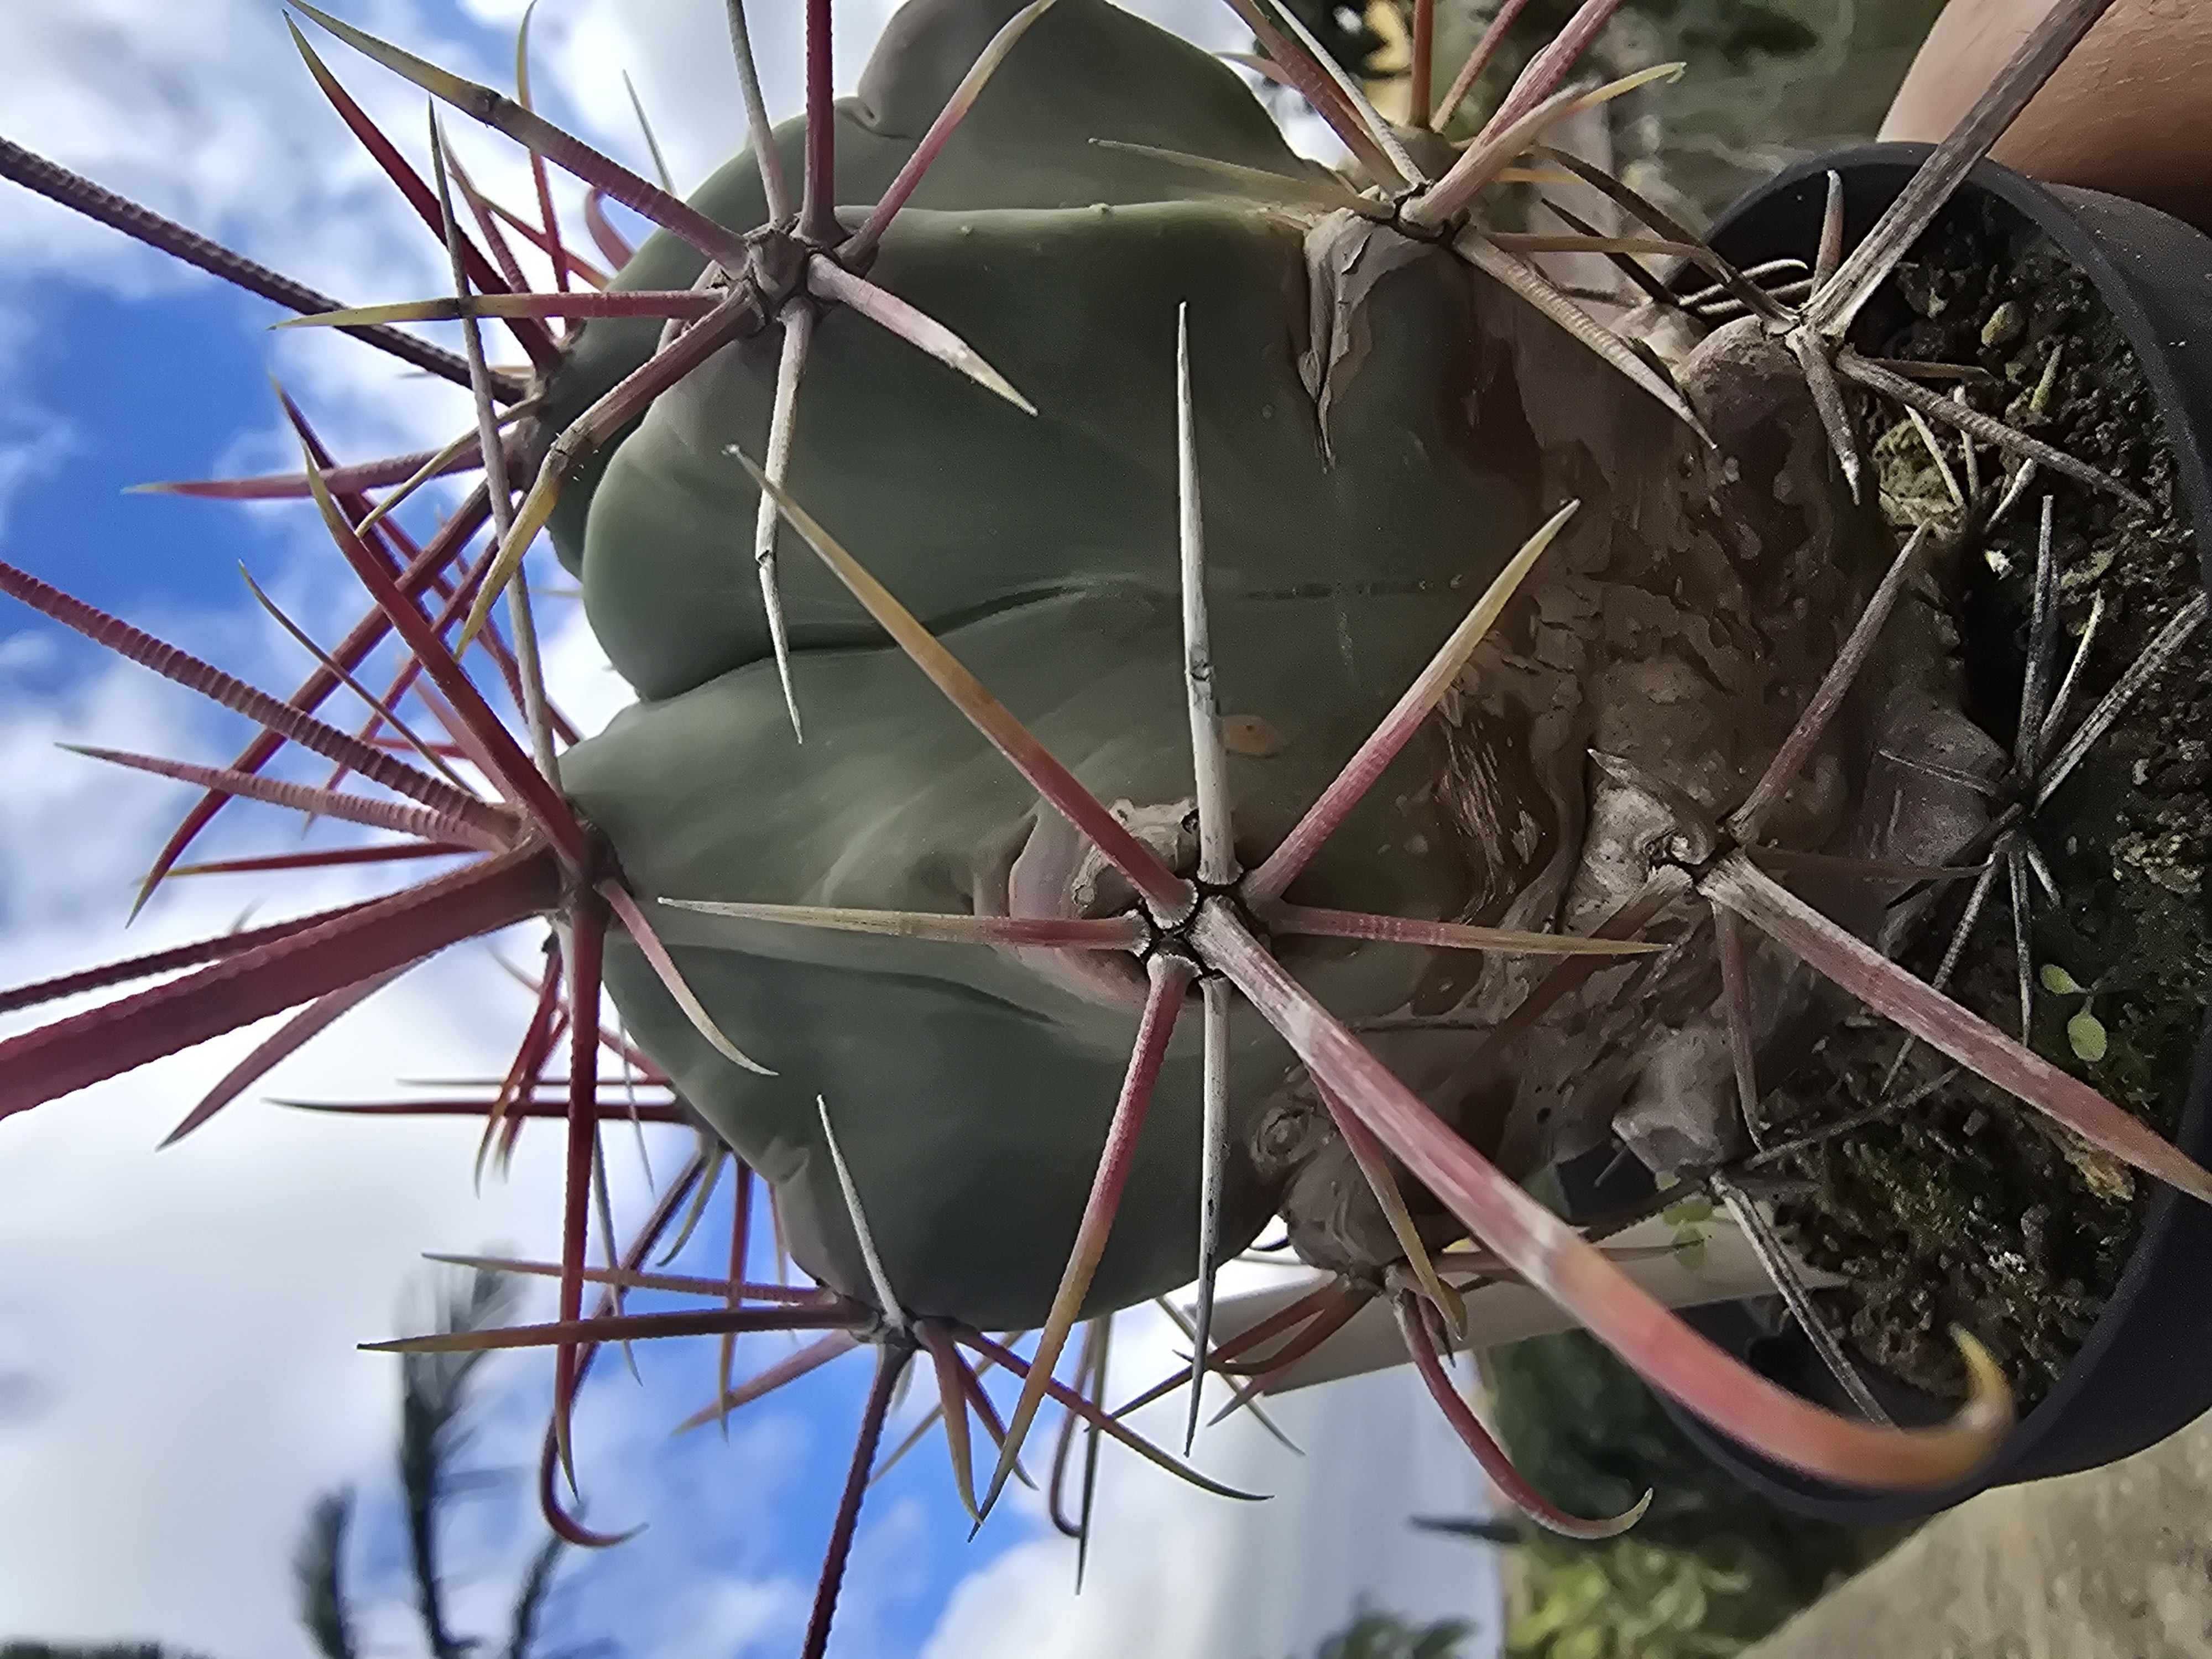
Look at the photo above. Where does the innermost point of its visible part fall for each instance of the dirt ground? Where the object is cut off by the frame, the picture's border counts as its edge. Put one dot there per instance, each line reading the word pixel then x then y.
pixel 2112 1564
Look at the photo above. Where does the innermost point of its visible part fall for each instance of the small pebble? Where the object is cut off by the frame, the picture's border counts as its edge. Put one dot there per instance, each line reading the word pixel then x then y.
pixel 2006 324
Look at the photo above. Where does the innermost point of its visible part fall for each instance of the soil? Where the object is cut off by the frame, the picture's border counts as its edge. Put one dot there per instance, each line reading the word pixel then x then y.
pixel 1969 1209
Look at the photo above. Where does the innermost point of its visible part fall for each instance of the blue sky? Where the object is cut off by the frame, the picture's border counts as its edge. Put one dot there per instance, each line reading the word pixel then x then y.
pixel 176 1333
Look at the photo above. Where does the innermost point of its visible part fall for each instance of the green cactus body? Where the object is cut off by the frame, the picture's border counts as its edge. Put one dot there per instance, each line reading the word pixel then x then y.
pixel 1346 537
pixel 1086 70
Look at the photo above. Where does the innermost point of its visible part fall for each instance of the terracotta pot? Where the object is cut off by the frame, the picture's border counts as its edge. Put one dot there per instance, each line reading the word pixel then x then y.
pixel 2126 113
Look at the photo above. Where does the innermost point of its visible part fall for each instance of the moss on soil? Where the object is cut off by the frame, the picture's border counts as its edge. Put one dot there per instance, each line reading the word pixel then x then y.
pixel 1969 1209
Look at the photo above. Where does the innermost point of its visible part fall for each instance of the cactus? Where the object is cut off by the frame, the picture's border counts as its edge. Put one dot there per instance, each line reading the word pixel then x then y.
pixel 1196 455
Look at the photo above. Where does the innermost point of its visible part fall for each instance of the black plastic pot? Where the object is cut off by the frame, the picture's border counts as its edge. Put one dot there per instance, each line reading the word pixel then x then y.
pixel 2146 1369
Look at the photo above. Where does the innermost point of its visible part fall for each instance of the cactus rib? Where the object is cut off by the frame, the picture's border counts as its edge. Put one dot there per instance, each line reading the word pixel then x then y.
pixel 1162 888
pixel 730 320
pixel 895 197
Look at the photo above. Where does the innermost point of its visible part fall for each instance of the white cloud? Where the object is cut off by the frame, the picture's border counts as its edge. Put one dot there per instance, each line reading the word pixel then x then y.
pixel 32 441
pixel 183 1324
pixel 1176 1573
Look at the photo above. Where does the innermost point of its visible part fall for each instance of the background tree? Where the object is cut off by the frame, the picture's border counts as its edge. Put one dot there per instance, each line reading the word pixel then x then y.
pixel 434 1433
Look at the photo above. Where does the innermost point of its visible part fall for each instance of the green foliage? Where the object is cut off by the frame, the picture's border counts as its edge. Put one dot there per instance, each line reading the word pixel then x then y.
pixel 434 1390
pixel 1629 1598
pixel 1768 80
pixel 530 1600
pixel 434 1402
pixel 318 1575
pixel 1710 1569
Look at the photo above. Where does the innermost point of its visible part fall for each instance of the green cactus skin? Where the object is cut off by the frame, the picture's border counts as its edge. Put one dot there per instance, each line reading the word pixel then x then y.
pixel 1086 69
pixel 962 504
pixel 973 1095
pixel 1378 428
